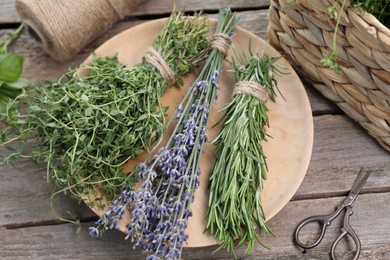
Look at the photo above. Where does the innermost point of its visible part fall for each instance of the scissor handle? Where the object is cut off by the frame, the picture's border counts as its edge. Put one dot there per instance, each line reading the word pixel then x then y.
pixel 323 220
pixel 346 230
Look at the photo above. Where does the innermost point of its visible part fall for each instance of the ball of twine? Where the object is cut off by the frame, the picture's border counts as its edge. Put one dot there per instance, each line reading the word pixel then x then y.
pixel 251 88
pixel 64 27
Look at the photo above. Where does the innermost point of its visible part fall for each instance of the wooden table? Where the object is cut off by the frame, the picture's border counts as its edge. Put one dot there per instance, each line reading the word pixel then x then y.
pixel 29 230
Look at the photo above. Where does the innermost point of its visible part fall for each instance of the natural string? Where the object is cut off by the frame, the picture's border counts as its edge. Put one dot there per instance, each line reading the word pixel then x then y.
pixel 154 58
pixel 251 88
pixel 65 27
pixel 221 42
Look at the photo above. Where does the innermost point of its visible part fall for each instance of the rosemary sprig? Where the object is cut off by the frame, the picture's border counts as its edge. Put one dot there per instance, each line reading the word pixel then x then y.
pixel 161 205
pixel 89 127
pixel 236 179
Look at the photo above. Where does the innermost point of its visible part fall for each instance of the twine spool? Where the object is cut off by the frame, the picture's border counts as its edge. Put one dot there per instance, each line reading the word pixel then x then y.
pixel 64 27
pixel 251 88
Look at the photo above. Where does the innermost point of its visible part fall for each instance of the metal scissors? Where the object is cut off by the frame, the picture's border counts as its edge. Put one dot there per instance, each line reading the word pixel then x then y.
pixel 326 220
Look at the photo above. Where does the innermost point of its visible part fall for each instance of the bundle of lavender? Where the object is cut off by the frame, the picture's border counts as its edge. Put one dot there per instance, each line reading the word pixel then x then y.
pixel 236 179
pixel 88 127
pixel 161 206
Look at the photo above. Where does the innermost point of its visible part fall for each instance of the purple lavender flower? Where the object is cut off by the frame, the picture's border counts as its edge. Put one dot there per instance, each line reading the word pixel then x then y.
pixel 94 232
pixel 152 257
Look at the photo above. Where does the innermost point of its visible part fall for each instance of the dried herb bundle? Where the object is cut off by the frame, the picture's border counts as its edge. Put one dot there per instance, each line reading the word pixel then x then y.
pixel 236 179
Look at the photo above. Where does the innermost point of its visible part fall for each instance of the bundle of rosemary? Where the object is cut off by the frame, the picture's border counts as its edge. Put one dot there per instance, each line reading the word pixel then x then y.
pixel 161 205
pixel 236 179
pixel 89 127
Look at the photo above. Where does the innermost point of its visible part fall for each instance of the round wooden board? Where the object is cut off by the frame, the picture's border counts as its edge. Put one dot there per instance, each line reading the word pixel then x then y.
pixel 291 123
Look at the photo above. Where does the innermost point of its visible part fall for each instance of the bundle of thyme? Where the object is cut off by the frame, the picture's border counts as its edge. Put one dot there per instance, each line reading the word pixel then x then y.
pixel 236 179
pixel 161 206
pixel 88 127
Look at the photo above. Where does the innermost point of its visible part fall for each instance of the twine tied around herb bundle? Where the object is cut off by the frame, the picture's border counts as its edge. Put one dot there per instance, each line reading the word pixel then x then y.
pixel 154 58
pixel 251 88
pixel 221 42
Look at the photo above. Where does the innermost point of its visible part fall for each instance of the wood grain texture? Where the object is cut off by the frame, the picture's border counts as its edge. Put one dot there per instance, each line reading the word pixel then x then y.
pixel 25 196
pixel 341 148
pixel 61 242
pixel 8 12
pixel 166 6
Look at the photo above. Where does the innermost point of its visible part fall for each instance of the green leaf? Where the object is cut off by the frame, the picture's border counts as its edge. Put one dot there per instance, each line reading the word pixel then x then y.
pixel 180 81
pixel 10 67
pixel 78 229
pixel 138 151
pixel 35 108
pixel 182 67
pixel 8 93
pixel 19 84
pixel 88 111
pixel 142 117
pixel 84 97
pixel 114 112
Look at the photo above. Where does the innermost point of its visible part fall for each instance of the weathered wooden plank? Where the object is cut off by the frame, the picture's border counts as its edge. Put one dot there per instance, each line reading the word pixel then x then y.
pixel 166 6
pixel 341 148
pixel 8 12
pixel 25 196
pixel 370 221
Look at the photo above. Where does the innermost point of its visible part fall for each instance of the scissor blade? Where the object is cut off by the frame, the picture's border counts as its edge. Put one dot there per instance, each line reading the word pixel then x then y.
pixel 359 182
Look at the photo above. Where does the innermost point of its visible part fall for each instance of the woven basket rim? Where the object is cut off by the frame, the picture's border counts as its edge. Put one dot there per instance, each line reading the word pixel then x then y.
pixel 370 18
pixel 373 20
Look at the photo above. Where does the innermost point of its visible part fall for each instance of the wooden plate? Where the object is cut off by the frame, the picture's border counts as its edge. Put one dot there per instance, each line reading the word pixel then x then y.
pixel 291 124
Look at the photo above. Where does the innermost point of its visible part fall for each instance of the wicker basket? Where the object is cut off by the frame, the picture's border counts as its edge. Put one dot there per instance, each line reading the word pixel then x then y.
pixel 303 31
